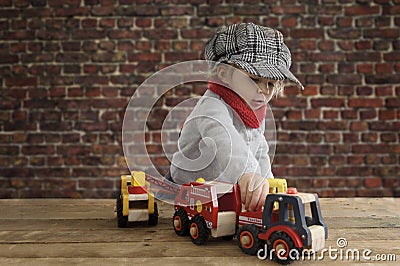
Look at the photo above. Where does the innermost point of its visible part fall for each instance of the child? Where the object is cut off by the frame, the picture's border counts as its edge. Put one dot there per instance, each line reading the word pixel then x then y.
pixel 223 137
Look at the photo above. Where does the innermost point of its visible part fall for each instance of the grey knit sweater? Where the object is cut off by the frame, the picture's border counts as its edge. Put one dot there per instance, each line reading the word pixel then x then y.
pixel 215 144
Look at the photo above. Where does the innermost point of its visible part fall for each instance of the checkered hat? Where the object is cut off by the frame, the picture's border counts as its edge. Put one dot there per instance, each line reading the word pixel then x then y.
pixel 256 49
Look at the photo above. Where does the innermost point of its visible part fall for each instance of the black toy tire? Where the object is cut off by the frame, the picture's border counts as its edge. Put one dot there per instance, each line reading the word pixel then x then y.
pixel 198 230
pixel 121 219
pixel 153 217
pixel 249 233
pixel 283 241
pixel 183 228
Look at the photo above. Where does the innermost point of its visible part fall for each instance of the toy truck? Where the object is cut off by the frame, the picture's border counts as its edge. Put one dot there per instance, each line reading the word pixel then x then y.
pixel 136 202
pixel 214 209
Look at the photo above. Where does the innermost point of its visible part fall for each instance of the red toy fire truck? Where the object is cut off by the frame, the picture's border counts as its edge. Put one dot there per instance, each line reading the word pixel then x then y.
pixel 214 209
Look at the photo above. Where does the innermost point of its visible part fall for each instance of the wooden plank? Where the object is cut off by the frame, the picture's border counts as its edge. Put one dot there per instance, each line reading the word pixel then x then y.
pixel 165 223
pixel 360 207
pixel 217 249
pixel 103 208
pixel 214 261
pixel 159 235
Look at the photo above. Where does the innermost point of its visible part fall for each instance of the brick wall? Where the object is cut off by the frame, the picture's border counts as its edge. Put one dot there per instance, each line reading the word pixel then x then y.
pixel 68 69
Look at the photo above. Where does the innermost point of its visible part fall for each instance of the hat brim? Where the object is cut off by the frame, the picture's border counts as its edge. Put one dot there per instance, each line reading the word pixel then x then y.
pixel 267 70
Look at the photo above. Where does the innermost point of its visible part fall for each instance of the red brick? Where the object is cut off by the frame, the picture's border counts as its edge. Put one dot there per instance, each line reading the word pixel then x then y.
pixel 330 114
pixel 320 182
pixel 326 68
pixel 388 137
pixel 364 91
pixel 312 114
pixel 349 79
pixel 361 10
pixel 177 11
pixel 384 91
pixel 307 33
pixel 392 102
pixel 373 182
pixel 391 182
pixel 355 171
pixel 355 160
pixel 391 10
pixel 369 137
pixel 325 9
pixel 346 67
pixel 368 114
pixel 345 45
pixel 387 33
pixel 365 102
pixel 366 148
pixel 310 91
pixel 363 45
pixel 353 182
pixel 328 90
pixel 337 182
pixel 384 68
pixel 143 22
pixel 327 56
pixel 345 33
pixel 196 34
pixel 387 115
pixel 21 81
pixel 327 102
pixel 289 22
pixel 392 56
pixel 344 21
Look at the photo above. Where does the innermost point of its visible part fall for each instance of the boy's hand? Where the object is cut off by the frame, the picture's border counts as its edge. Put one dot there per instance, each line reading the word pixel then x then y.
pixel 253 190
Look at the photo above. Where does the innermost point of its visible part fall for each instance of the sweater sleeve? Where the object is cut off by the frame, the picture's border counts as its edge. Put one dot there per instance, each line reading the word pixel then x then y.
pixel 262 155
pixel 233 156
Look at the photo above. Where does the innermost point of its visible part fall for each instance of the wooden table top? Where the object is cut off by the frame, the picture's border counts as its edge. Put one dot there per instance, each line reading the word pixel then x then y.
pixel 84 232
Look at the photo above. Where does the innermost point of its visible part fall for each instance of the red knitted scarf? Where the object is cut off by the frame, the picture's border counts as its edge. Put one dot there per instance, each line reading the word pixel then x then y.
pixel 251 118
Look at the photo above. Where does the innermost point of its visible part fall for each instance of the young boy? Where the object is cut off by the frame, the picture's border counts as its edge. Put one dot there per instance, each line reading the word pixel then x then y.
pixel 223 137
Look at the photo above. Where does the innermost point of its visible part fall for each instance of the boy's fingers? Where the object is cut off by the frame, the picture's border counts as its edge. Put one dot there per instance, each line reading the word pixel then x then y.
pixel 243 184
pixel 248 201
pixel 264 193
pixel 255 197
pixel 253 191
pixel 242 197
pixel 255 183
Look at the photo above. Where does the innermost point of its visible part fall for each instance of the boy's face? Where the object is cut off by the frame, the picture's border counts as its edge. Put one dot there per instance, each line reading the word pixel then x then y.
pixel 256 91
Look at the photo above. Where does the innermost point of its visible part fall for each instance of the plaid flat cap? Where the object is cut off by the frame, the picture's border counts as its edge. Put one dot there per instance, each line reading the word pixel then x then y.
pixel 256 49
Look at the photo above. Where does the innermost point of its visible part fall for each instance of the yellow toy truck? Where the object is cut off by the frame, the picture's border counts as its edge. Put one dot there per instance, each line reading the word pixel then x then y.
pixel 136 202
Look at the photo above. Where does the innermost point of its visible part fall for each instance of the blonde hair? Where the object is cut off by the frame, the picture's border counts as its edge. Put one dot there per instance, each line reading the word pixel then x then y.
pixel 277 90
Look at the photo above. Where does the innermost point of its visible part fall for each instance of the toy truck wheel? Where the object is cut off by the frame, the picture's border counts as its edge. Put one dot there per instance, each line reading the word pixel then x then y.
pixel 284 250
pixel 181 222
pixel 153 217
pixel 248 239
pixel 198 230
pixel 122 220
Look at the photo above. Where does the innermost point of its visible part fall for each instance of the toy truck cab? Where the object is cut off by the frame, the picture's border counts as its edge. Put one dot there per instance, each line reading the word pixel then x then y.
pixel 136 202
pixel 291 222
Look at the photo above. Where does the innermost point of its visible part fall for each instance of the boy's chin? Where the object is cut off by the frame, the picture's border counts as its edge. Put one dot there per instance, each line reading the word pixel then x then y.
pixel 255 107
